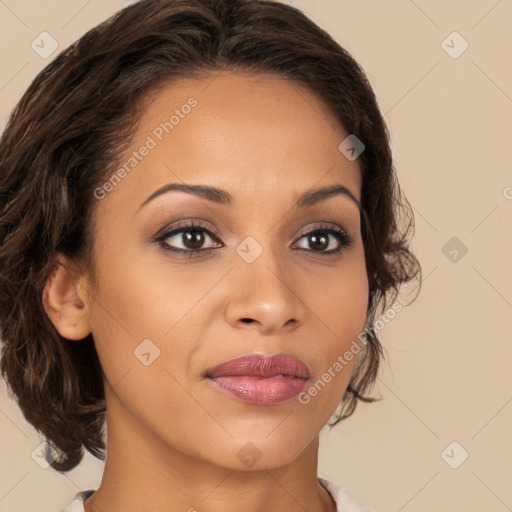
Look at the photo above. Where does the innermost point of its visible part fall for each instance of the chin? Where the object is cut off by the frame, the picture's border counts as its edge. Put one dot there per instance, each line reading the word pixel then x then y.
pixel 260 451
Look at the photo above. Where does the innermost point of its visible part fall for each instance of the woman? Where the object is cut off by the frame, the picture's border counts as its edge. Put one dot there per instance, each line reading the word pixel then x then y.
pixel 199 225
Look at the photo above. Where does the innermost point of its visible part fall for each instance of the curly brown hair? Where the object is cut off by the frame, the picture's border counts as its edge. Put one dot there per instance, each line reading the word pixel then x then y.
pixel 66 135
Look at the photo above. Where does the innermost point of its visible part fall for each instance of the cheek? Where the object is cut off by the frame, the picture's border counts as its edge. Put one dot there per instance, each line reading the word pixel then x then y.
pixel 146 370
pixel 139 299
pixel 341 311
pixel 340 299
pixel 148 319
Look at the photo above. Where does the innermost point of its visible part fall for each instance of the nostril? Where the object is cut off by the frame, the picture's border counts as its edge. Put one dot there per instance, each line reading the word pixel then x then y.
pixel 247 320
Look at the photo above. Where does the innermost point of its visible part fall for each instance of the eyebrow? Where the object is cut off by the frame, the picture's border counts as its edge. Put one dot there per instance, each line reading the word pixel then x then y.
pixel 223 197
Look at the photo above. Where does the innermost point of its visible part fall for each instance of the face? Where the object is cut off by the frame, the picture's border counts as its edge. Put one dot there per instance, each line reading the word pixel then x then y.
pixel 268 276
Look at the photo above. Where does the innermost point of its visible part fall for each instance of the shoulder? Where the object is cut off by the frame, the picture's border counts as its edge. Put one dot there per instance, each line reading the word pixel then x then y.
pixel 77 503
pixel 344 502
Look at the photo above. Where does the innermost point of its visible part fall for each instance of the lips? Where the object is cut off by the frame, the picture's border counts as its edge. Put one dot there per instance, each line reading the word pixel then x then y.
pixel 259 365
pixel 260 380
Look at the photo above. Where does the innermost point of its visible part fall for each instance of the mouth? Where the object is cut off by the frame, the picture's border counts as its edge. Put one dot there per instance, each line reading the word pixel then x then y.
pixel 258 379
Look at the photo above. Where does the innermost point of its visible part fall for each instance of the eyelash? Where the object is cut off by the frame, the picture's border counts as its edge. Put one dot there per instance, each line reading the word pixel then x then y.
pixel 344 239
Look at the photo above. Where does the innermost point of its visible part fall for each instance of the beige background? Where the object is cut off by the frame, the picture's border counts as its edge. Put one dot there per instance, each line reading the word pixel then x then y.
pixel 448 375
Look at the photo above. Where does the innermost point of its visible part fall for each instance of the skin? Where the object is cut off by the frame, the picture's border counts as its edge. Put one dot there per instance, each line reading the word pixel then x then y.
pixel 172 438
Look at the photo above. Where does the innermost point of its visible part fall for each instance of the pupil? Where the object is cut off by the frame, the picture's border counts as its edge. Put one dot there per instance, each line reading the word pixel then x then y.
pixel 319 242
pixel 193 239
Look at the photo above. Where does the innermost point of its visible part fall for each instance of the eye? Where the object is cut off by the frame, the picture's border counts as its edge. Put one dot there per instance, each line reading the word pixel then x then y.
pixel 326 240
pixel 191 236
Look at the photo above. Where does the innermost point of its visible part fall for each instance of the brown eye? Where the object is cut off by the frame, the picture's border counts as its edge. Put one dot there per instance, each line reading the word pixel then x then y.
pixel 318 241
pixel 193 239
pixel 189 239
pixel 326 240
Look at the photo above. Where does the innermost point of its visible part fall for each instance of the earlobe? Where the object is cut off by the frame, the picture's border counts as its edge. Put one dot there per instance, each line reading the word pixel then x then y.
pixel 64 303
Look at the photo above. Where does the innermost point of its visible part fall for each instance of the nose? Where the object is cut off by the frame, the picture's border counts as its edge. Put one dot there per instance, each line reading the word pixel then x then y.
pixel 264 296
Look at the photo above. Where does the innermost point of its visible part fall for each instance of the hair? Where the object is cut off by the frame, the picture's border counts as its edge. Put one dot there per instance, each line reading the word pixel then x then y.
pixel 66 135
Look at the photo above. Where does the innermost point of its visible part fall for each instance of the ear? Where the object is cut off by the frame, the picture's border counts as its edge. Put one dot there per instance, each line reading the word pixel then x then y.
pixel 65 302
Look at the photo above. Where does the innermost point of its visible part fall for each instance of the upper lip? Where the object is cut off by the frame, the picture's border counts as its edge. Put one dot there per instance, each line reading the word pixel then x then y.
pixel 260 365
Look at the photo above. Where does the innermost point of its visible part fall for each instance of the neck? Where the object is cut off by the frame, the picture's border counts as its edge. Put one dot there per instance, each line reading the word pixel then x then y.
pixel 142 472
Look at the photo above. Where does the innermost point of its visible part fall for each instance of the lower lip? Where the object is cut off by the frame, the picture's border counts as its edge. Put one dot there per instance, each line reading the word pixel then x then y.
pixel 260 390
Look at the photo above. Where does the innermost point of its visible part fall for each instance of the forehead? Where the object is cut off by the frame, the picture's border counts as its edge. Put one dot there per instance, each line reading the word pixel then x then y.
pixel 240 132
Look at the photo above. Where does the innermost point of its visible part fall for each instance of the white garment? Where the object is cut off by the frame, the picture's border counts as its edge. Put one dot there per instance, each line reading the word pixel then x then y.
pixel 344 502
